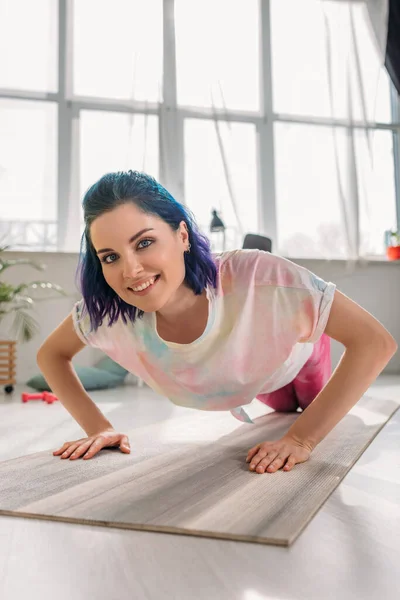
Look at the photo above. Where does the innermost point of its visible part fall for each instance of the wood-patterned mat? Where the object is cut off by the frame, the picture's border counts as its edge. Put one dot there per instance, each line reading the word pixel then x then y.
pixel 189 476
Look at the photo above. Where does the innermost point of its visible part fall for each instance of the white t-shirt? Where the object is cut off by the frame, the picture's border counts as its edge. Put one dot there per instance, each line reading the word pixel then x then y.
pixel 264 317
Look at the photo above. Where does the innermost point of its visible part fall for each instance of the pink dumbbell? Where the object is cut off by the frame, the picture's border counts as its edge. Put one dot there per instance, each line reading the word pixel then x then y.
pixel 25 397
pixel 49 397
pixel 46 396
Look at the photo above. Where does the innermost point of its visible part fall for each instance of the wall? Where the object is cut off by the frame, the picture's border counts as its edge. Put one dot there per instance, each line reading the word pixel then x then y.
pixel 374 285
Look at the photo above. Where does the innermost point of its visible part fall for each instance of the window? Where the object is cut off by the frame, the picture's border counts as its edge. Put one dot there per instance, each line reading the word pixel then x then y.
pixel 225 102
pixel 220 166
pixel 308 203
pixel 217 54
pixel 299 62
pixel 114 142
pixel 310 221
pixel 117 49
pixel 206 185
pixel 28 43
pixel 28 170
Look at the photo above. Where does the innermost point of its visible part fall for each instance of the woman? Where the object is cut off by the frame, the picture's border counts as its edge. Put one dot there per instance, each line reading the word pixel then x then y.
pixel 210 332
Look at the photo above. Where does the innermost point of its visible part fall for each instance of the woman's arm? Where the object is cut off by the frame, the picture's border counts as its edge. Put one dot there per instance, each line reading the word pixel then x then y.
pixel 54 360
pixel 368 349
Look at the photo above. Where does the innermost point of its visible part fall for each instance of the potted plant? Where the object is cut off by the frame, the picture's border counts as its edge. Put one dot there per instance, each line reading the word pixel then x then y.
pixel 18 301
pixel 393 247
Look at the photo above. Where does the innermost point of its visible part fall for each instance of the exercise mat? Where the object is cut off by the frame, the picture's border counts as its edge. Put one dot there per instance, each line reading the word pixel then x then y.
pixel 189 476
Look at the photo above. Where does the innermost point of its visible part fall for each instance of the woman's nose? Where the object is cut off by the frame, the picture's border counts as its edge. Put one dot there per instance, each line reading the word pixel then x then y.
pixel 131 267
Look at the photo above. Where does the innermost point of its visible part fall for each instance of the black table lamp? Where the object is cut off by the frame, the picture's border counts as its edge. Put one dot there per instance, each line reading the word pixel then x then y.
pixel 217 226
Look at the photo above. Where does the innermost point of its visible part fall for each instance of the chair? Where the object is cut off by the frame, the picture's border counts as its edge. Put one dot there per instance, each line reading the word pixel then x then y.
pixel 252 241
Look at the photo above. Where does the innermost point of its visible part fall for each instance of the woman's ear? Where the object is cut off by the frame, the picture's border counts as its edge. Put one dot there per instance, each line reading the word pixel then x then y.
pixel 184 233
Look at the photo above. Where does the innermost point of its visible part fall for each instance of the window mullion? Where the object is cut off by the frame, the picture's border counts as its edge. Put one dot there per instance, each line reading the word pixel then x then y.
pixel 171 122
pixel 395 106
pixel 265 129
pixel 68 215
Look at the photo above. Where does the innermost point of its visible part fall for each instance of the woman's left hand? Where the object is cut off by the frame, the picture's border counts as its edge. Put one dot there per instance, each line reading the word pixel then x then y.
pixel 271 456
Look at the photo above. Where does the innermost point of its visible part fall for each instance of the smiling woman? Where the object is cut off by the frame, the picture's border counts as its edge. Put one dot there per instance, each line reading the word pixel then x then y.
pixel 215 331
pixel 120 212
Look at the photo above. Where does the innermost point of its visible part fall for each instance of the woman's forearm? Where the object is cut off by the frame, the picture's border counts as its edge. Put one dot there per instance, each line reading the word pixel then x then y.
pixel 358 368
pixel 63 381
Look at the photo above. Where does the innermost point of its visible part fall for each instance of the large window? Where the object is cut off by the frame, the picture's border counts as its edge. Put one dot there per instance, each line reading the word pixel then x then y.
pixel 314 163
pixel 117 49
pixel 28 172
pixel 308 204
pixel 28 45
pixel 299 63
pixel 217 54
pixel 225 102
pixel 220 166
pixel 206 184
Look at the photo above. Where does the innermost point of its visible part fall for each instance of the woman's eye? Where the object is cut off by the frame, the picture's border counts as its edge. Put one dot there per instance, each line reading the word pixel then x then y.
pixel 142 241
pixel 107 262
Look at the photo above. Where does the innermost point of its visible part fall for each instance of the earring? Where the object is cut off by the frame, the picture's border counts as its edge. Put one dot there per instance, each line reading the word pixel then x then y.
pixel 188 249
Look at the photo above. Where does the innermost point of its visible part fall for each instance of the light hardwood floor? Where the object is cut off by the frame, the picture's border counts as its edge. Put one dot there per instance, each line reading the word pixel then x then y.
pixel 350 549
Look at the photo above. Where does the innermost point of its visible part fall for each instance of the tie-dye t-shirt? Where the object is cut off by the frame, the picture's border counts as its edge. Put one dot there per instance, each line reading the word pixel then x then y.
pixel 264 317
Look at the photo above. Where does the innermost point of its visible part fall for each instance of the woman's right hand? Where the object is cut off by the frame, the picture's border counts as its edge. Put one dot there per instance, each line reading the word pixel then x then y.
pixel 90 446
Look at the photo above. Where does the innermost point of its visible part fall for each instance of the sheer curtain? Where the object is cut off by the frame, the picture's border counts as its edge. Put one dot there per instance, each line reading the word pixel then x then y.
pixel 352 40
pixel 189 72
pixel 218 99
pixel 356 35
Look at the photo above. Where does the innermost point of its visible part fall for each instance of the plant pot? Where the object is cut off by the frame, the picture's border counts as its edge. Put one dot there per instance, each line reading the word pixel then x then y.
pixel 7 365
pixel 393 252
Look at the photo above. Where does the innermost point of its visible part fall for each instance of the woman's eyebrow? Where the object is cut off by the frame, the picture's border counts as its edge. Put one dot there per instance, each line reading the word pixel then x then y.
pixel 132 239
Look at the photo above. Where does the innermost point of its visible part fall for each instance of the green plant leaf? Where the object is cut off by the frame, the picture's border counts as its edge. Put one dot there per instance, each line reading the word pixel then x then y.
pixel 5 264
pixel 6 292
pixel 24 327
pixel 13 300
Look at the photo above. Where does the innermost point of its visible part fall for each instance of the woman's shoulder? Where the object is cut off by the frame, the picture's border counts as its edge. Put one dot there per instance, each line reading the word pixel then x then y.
pixel 244 260
pixel 258 267
pixel 241 266
pixel 236 258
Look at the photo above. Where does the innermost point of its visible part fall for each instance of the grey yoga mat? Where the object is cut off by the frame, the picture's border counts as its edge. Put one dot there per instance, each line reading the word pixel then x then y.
pixel 188 476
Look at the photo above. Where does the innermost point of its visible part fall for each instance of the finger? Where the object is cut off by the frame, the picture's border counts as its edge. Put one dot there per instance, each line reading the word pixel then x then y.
pixel 69 450
pixel 257 458
pixel 291 461
pixel 63 447
pixel 96 446
pixel 264 462
pixel 80 450
pixel 262 455
pixel 252 452
pixel 124 445
pixel 66 445
pixel 277 463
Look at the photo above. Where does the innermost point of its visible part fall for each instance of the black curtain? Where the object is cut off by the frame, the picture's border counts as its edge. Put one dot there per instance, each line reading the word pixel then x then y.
pixel 392 60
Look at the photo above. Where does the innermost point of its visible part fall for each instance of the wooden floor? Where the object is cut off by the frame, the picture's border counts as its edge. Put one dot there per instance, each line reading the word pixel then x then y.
pixel 351 548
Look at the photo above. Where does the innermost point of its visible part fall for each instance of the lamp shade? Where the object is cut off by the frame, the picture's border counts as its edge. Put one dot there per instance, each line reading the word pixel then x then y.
pixel 216 223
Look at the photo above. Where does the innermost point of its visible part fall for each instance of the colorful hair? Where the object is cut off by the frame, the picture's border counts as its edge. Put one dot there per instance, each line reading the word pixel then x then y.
pixel 112 190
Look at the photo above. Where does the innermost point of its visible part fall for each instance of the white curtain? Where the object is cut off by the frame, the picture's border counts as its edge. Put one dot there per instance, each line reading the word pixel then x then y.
pixel 228 172
pixel 353 79
pixel 355 33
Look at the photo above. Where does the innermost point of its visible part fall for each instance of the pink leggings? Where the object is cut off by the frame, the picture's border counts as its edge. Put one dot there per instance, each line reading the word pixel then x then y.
pixel 308 382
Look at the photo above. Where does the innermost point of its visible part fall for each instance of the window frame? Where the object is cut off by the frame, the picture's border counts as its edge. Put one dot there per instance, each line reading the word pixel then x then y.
pixel 171 126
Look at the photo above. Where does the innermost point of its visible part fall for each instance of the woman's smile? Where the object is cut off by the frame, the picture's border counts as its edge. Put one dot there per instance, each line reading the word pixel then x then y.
pixel 145 288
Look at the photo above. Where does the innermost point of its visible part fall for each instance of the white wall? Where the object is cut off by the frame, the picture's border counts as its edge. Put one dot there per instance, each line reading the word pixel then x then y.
pixel 60 270
pixel 375 286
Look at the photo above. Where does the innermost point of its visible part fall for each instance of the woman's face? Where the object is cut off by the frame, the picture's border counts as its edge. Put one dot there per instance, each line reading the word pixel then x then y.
pixel 137 249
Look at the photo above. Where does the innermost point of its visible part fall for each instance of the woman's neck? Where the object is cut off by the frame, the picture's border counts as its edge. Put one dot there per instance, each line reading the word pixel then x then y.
pixel 187 324
pixel 182 306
